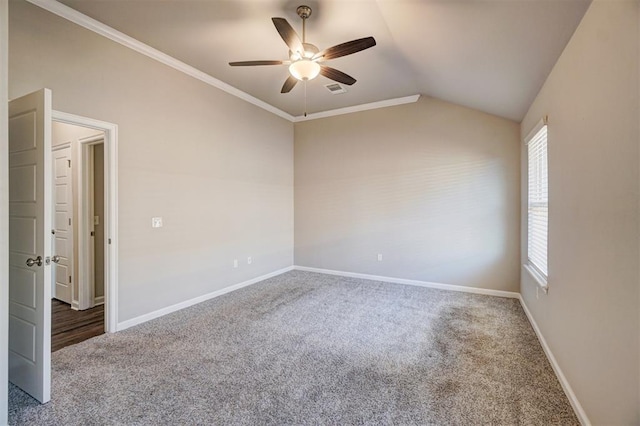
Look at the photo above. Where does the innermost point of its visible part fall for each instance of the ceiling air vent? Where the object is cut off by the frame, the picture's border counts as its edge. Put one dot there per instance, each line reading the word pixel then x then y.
pixel 335 88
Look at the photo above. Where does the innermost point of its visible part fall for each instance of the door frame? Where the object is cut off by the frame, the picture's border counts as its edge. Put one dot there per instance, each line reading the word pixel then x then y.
pixel 110 211
pixel 86 250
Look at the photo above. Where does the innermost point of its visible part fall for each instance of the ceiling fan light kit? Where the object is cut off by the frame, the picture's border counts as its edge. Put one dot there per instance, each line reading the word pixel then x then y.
pixel 304 69
pixel 305 59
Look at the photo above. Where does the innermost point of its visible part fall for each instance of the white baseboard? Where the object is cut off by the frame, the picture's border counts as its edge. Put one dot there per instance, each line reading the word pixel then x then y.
pixel 577 408
pixel 580 413
pixel 173 308
pixel 98 301
pixel 451 287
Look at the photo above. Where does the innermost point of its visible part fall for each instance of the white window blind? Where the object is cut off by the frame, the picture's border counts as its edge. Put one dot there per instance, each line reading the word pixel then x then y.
pixel 538 201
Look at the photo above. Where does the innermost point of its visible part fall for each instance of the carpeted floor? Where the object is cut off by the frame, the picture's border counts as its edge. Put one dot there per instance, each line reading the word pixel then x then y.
pixel 305 348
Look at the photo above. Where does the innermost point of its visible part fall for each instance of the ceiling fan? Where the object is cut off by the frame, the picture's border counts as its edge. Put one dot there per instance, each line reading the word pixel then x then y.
pixel 305 59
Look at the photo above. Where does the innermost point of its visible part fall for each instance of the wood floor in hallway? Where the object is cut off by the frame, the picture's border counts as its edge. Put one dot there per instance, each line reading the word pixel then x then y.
pixel 69 327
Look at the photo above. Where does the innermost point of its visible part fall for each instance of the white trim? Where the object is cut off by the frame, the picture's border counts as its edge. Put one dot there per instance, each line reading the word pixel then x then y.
pixel 98 301
pixel 571 396
pixel 537 277
pixel 98 27
pixel 90 190
pixel 86 248
pixel 112 34
pixel 580 413
pixel 544 121
pixel 358 108
pixel 178 306
pixel 573 400
pixel 451 287
pixel 55 148
pixel 111 209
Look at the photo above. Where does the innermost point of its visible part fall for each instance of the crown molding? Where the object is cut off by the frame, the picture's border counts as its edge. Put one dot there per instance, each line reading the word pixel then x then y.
pixel 97 27
pixel 104 30
pixel 358 108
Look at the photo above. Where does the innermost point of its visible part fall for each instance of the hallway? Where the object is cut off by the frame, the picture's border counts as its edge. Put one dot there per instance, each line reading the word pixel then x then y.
pixel 69 327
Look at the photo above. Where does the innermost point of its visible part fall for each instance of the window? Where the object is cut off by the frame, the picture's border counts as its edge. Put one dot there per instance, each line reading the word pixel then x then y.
pixel 538 204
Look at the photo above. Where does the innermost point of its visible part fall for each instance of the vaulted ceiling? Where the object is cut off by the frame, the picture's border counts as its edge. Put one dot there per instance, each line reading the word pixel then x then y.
pixel 492 55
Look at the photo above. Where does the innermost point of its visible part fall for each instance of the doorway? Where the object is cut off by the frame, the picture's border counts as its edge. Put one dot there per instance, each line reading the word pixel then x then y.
pixel 78 196
pixel 31 218
pixel 91 245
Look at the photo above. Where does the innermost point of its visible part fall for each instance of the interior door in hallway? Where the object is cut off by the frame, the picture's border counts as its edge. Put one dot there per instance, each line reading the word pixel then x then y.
pixel 30 208
pixel 62 228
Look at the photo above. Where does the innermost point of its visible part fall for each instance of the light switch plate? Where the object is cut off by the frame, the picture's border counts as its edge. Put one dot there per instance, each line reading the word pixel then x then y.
pixel 156 222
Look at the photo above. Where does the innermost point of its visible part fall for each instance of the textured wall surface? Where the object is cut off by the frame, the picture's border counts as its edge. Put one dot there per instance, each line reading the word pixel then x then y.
pixel 590 316
pixel 432 186
pixel 217 169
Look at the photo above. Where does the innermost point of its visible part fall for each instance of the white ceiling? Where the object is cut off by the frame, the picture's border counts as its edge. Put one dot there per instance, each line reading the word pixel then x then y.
pixel 492 55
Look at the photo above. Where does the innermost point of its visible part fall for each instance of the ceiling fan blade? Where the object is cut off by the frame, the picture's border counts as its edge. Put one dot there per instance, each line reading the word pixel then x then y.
pixel 289 84
pixel 345 49
pixel 253 63
pixel 288 34
pixel 336 75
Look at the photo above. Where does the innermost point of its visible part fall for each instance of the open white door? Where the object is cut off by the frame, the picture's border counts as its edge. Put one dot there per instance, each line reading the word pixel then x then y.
pixel 30 244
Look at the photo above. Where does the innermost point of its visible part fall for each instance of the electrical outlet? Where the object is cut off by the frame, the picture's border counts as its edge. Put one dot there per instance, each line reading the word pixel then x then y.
pixel 379 257
pixel 235 263
pixel 156 222
pixel 249 260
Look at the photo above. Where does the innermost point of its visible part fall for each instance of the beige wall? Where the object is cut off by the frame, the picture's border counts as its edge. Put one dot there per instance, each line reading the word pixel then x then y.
pixel 61 134
pixel 590 316
pixel 217 169
pixel 432 186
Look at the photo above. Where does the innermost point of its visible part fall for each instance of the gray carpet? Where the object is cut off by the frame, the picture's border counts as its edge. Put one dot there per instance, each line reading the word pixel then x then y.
pixel 305 348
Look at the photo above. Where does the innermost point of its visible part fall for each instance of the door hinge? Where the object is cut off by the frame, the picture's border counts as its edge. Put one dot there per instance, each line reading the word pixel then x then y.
pixel 109 240
pixel 69 279
pixel 69 221
pixel 69 162
pixel 92 233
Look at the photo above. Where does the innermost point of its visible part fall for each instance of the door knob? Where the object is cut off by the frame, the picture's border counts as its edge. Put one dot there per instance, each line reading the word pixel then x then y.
pixel 36 261
pixel 55 258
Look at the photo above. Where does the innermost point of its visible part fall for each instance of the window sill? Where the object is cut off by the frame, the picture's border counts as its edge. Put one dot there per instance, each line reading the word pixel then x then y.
pixel 538 278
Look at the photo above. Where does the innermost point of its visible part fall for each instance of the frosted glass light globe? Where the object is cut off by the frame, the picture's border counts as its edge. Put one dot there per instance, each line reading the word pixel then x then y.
pixel 304 69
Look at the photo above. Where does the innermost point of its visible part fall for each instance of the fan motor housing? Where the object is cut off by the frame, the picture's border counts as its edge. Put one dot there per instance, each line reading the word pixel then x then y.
pixel 310 49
